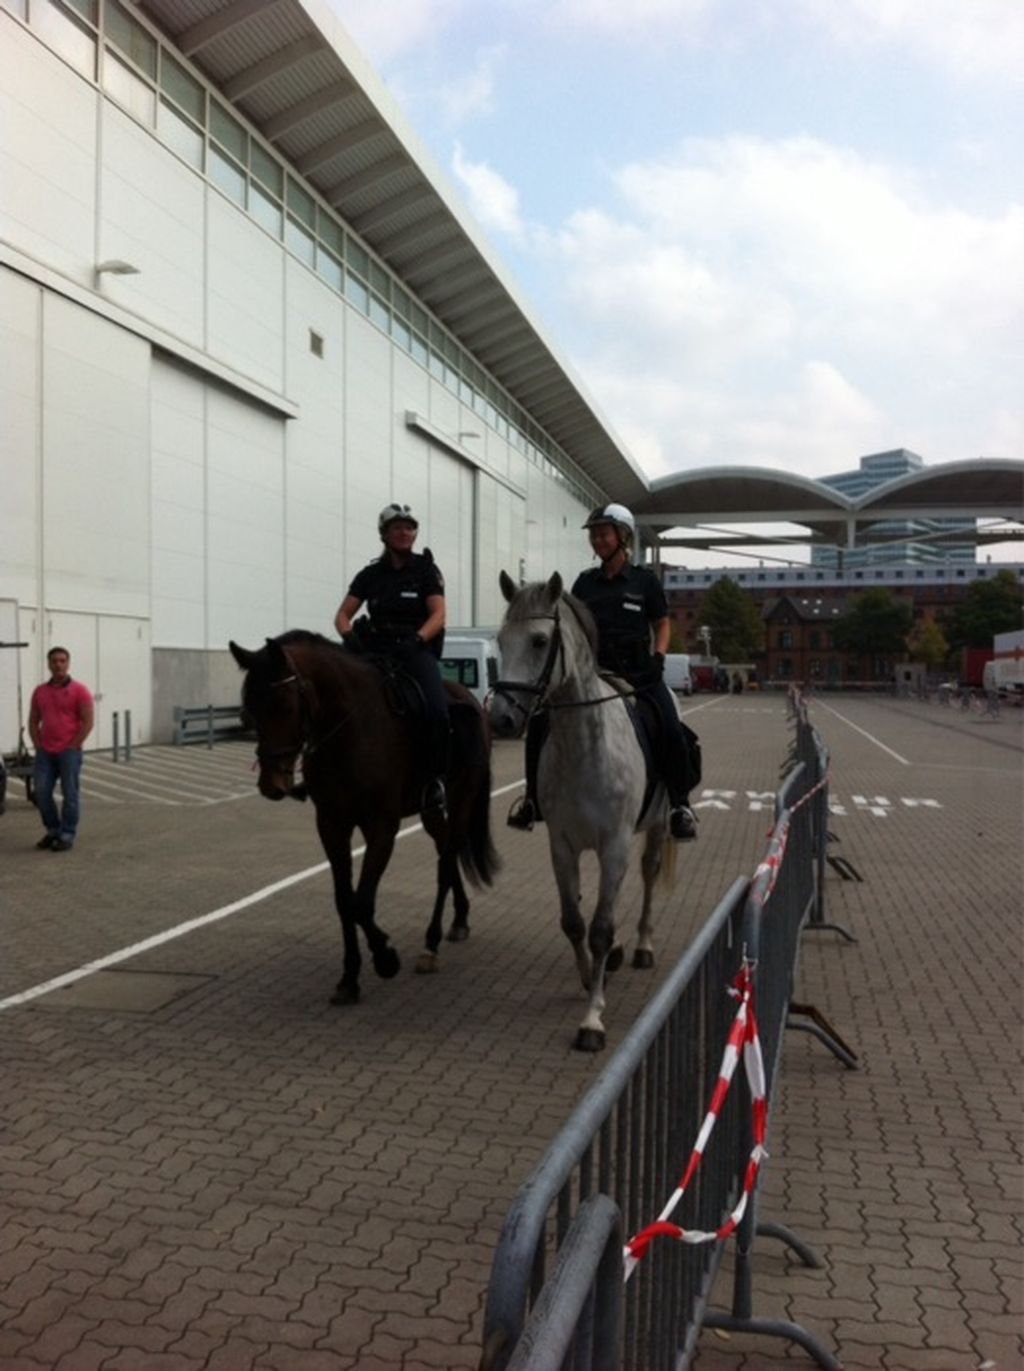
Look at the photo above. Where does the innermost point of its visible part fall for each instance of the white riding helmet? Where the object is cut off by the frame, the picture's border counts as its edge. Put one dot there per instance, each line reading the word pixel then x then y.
pixel 390 513
pixel 618 516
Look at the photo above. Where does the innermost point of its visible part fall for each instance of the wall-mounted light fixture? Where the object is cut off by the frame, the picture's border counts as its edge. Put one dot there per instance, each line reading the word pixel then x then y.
pixel 114 266
pixel 468 433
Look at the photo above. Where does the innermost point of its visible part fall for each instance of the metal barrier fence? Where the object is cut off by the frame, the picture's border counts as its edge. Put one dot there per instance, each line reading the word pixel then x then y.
pixel 618 1157
pixel 207 724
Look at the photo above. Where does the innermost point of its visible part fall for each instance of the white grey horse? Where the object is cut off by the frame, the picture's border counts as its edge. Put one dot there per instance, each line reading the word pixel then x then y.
pixel 591 779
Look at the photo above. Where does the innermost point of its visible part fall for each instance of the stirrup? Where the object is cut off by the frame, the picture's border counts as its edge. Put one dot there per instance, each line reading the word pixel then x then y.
pixel 522 815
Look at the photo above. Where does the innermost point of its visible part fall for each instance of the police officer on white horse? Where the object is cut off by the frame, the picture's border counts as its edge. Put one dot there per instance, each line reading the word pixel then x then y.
pixel 404 595
pixel 631 613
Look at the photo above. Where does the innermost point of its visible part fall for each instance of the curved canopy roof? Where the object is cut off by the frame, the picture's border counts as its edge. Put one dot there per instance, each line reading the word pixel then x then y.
pixel 292 70
pixel 983 488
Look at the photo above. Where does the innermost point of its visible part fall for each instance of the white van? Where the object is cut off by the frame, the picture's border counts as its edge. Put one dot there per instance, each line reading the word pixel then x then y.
pixel 471 659
pixel 677 672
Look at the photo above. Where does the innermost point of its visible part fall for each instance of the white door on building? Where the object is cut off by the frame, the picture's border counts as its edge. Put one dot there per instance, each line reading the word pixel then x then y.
pixel 123 677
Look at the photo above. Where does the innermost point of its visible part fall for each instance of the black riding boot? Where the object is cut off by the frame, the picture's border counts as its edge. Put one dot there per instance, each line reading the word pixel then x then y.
pixel 525 812
pixel 435 797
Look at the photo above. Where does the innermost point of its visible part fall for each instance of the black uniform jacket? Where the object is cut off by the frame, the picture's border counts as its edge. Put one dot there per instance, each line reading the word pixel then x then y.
pixel 624 609
pixel 396 597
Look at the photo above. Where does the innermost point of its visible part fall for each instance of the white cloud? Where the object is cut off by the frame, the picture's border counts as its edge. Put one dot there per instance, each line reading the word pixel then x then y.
pixel 968 38
pixel 792 303
pixel 491 198
pixel 472 92
pixel 632 19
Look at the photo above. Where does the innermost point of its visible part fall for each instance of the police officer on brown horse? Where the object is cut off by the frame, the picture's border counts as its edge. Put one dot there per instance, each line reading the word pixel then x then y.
pixel 630 611
pixel 404 595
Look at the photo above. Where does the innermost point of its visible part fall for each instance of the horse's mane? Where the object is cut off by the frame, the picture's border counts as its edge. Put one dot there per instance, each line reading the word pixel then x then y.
pixel 533 600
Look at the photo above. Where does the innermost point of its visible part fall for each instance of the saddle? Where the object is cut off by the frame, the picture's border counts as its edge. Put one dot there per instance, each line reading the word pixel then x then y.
pixel 646 721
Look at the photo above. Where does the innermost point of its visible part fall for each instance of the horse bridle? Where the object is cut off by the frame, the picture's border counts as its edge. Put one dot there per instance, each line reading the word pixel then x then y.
pixel 539 689
pixel 308 744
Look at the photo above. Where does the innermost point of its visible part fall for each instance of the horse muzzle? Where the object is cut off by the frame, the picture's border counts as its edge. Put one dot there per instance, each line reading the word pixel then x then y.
pixel 508 716
pixel 276 783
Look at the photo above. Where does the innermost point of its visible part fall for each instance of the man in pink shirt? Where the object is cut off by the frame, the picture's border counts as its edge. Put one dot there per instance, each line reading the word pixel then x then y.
pixel 59 721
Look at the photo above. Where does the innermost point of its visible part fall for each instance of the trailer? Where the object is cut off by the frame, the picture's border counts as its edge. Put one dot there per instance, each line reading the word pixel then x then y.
pixel 1004 674
pixel 16 761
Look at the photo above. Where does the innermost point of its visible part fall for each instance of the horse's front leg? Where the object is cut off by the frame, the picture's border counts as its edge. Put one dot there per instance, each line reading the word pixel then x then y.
pixel 339 853
pixel 606 955
pixel 380 843
pixel 566 864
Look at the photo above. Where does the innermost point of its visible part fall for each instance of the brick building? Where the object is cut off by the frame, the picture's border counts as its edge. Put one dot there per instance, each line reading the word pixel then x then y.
pixel 798 605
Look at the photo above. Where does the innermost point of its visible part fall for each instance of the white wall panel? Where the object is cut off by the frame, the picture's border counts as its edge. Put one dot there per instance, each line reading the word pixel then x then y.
pixel 152 217
pixel 245 269
pixel 245 520
pixel 368 436
pixel 315 561
pixel 178 450
pixel 20 303
pixel 443 529
pixel 95 463
pixel 47 155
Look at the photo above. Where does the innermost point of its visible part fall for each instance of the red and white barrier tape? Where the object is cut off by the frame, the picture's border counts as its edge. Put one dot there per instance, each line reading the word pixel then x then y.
pixel 743 1037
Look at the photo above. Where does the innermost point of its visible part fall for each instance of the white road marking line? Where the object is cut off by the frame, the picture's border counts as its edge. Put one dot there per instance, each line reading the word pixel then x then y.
pixel 121 789
pixel 820 704
pixel 119 779
pixel 190 925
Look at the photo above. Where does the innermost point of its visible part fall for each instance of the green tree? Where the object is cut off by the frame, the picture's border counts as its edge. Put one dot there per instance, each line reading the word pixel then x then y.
pixel 988 608
pixel 737 633
pixel 928 644
pixel 876 626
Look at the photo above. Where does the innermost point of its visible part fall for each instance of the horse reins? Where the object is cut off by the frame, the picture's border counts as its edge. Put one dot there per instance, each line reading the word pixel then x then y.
pixel 539 688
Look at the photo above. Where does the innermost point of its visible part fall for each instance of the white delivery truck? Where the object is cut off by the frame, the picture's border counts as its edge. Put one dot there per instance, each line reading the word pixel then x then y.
pixel 470 657
pixel 677 672
pixel 1004 674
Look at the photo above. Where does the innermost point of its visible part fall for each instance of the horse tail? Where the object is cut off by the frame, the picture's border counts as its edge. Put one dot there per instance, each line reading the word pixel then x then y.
pixel 667 870
pixel 477 854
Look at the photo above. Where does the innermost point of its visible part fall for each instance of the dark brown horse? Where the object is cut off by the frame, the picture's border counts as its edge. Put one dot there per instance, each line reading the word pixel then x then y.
pixel 313 700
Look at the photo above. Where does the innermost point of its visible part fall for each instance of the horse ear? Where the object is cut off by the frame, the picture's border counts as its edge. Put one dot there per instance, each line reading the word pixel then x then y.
pixel 242 655
pixel 554 587
pixel 508 586
pixel 275 650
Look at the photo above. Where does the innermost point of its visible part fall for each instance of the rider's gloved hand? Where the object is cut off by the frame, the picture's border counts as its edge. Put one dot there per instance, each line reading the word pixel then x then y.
pixel 657 666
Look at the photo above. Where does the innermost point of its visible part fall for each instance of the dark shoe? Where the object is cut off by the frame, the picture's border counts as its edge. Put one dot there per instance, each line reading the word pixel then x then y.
pixel 46 843
pixel 61 845
pixel 523 814
pixel 682 824
pixel 434 798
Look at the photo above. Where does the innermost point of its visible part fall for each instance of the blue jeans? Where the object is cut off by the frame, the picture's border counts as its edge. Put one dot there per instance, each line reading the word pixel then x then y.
pixel 50 768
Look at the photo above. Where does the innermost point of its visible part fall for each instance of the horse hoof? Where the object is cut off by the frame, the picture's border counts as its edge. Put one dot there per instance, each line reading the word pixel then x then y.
pixel 458 933
pixel 386 963
pixel 589 1040
pixel 613 962
pixel 345 994
pixel 643 959
pixel 427 964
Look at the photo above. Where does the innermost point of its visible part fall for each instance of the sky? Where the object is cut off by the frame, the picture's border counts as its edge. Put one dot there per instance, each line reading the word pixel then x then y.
pixel 779 233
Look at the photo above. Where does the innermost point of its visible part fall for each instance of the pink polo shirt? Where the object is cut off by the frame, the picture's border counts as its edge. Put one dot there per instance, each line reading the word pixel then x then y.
pixel 61 709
